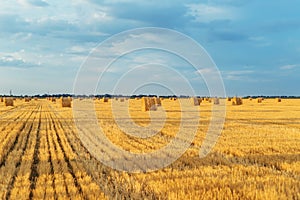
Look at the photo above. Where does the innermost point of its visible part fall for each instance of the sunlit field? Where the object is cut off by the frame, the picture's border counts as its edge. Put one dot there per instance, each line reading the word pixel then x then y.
pixel 257 155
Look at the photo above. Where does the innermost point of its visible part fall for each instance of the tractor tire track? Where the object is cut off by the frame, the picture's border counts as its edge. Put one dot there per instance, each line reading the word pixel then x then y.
pixel 12 181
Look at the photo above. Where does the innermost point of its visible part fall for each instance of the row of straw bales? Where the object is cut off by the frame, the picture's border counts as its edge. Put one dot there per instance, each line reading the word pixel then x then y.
pixel 27 99
pixel 236 101
pixel 196 101
pixel 214 100
pixel 64 101
pixel 150 103
pixel 8 101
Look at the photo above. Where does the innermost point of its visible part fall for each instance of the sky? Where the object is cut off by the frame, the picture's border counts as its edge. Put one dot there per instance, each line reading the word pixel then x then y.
pixel 45 44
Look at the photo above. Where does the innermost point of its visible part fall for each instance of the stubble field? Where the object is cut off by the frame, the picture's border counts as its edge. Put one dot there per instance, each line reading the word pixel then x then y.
pixel 257 155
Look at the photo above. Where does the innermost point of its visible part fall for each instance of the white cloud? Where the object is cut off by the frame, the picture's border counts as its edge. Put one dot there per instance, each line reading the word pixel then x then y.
pixel 208 74
pixel 12 61
pixel 207 13
pixel 288 67
pixel 206 71
pixel 209 71
pixel 237 74
pixel 22 36
pixel 81 49
pixel 260 41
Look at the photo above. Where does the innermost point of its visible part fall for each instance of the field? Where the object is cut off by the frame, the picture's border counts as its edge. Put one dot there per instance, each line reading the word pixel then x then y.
pixel 257 155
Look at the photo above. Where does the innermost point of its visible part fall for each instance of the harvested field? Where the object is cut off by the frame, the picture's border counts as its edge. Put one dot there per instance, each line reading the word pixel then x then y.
pixel 256 157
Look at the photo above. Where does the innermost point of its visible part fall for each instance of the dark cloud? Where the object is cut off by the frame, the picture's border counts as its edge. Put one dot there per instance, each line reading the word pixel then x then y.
pixel 38 3
pixel 226 35
pixel 153 14
pixel 168 14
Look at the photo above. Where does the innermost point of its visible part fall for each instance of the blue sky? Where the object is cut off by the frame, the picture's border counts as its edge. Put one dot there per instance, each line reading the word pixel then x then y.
pixel 255 44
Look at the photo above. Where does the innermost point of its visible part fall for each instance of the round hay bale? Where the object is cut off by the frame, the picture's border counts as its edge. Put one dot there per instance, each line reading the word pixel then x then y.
pixel 105 99
pixel 152 104
pixel 9 102
pixel 196 101
pixel 148 104
pixel 145 104
pixel 278 99
pixel 27 99
pixel 66 102
pixel 157 101
pixel 259 100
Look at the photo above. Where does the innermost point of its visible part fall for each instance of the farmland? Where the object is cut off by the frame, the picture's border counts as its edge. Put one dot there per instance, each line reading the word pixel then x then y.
pixel 257 155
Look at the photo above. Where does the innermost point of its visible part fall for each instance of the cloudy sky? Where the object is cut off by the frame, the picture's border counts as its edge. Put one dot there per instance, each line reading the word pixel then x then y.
pixel 255 44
